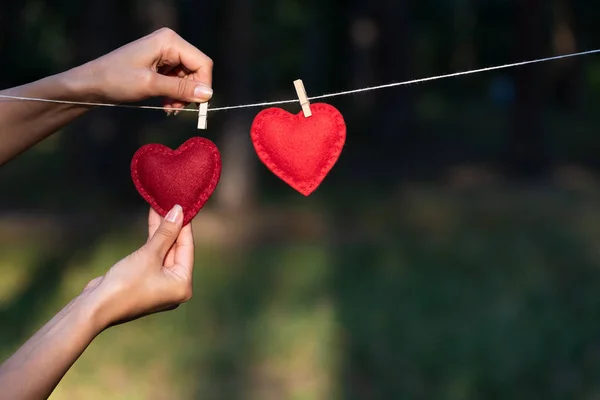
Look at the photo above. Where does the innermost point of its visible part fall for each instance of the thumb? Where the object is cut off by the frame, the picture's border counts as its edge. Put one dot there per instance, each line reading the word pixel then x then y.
pixel 167 232
pixel 180 89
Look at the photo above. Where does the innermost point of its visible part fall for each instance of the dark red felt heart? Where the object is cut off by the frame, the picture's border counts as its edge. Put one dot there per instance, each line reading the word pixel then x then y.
pixel 187 176
pixel 301 151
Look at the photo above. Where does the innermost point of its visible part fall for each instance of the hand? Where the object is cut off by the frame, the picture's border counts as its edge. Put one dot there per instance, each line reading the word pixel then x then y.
pixel 157 277
pixel 160 64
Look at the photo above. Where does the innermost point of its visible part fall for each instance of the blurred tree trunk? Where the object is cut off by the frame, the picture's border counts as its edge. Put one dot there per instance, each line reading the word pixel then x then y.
pixel 236 191
pixel 396 113
pixel 464 51
pixel 362 35
pixel 99 147
pixel 568 71
pixel 526 156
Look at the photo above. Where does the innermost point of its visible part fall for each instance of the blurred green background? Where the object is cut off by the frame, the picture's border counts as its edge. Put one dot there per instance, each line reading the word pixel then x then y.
pixel 452 253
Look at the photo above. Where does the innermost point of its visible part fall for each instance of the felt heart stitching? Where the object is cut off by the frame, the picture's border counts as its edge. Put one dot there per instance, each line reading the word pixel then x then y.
pixel 301 151
pixel 187 176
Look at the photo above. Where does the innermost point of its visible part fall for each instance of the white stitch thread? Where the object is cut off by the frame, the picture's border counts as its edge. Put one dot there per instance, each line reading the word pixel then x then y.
pixel 272 103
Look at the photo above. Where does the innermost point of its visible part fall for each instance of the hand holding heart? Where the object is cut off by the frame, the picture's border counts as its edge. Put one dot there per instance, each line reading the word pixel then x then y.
pixel 176 183
pixel 157 277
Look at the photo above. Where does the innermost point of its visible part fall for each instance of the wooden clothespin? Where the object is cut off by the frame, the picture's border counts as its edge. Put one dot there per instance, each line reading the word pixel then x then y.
pixel 202 112
pixel 303 98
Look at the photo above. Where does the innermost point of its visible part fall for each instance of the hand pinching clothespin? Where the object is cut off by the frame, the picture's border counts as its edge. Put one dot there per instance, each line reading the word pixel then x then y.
pixel 202 111
pixel 303 98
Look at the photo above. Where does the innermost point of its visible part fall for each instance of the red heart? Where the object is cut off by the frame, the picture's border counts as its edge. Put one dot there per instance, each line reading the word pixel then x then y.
pixel 187 176
pixel 301 151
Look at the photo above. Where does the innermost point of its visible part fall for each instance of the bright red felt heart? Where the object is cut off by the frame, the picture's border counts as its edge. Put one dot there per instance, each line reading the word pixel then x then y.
pixel 187 176
pixel 301 151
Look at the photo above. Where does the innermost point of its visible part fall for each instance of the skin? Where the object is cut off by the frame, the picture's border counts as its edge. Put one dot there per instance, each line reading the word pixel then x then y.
pixel 160 64
pixel 158 276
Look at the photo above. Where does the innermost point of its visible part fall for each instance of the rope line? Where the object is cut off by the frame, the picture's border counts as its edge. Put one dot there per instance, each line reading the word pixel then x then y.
pixel 348 92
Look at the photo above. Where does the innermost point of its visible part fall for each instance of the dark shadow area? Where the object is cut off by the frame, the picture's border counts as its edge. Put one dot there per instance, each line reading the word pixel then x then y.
pixel 501 305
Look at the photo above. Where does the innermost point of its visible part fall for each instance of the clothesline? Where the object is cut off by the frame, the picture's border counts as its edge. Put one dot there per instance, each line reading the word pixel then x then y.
pixel 343 93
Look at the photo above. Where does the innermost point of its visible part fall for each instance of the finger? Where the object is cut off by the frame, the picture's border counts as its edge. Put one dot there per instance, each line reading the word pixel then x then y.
pixel 170 258
pixel 154 221
pixel 179 51
pixel 185 90
pixel 167 232
pixel 178 71
pixel 166 69
pixel 169 70
pixel 178 256
pixel 184 249
pixel 173 104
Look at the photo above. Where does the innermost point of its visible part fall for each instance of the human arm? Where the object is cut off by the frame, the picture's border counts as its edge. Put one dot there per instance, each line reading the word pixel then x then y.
pixel 159 64
pixel 157 277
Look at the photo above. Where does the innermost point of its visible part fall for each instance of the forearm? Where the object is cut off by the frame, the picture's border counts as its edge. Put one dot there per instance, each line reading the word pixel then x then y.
pixel 25 123
pixel 35 370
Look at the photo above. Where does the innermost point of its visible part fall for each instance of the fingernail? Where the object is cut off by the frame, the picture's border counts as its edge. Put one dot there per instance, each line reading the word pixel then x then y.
pixel 174 214
pixel 176 112
pixel 202 92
